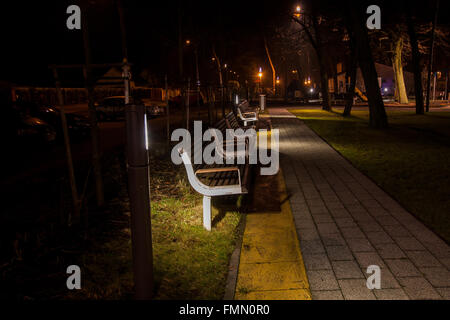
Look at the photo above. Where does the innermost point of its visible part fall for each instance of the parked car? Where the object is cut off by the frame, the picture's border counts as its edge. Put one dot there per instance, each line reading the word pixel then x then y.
pixel 23 127
pixel 78 126
pixel 154 108
pixel 179 101
pixel 111 108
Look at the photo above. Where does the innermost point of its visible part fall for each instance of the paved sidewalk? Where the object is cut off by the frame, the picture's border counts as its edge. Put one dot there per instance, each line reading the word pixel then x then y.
pixel 345 222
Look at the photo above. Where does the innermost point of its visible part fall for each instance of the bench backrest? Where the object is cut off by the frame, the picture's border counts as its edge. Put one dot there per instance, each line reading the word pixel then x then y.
pixel 231 121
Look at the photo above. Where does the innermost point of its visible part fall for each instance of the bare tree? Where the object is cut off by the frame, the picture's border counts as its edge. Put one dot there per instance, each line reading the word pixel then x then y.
pixel 377 112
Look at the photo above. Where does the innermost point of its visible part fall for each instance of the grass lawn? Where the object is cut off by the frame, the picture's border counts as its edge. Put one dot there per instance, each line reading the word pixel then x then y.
pixel 189 262
pixel 410 160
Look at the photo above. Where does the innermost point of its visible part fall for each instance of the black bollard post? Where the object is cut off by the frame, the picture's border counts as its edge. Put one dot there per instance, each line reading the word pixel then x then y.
pixel 139 193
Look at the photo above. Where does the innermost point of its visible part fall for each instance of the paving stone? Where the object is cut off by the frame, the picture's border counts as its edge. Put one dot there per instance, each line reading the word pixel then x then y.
pixel 347 270
pixel 387 220
pixel 323 218
pixel 362 217
pixel 366 259
pixel 334 239
pixel 322 280
pixel 437 276
pixel 397 231
pixel 377 212
pixel 355 208
pixel 345 222
pixel 360 245
pixel 369 226
pixel 311 246
pixel 390 294
pixel 316 261
pixel 388 280
pixel 423 259
pixel 409 243
pixel 389 251
pixel 379 237
pixel 352 233
pixel 327 295
pixel 439 249
pixel 334 205
pixel 327 228
pixel 444 292
pixel 339 253
pixel 356 289
pixel 308 234
pixel 340 213
pixel 371 203
pixel 402 268
pixel 445 262
pixel 418 288
pixel 304 223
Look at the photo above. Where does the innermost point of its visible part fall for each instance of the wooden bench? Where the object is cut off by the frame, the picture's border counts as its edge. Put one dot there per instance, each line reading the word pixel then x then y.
pixel 245 115
pixel 216 179
pixel 232 122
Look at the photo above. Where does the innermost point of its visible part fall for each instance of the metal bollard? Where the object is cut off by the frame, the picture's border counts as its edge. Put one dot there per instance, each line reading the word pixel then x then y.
pixel 139 193
pixel 262 101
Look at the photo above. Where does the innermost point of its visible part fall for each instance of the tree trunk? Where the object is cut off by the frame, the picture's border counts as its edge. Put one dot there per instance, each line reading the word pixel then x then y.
pixel 326 103
pixel 418 90
pixel 219 69
pixel 271 65
pixel 352 74
pixel 398 71
pixel 430 56
pixel 378 118
pixel 96 157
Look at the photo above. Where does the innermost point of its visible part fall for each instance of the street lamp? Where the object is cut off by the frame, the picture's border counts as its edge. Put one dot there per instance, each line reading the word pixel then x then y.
pixel 298 10
pixel 260 74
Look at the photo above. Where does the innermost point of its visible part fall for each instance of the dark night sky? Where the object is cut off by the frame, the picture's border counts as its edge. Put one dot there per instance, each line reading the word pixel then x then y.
pixel 34 34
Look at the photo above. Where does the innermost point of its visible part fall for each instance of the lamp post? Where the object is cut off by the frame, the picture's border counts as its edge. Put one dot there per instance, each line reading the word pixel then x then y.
pixel 260 75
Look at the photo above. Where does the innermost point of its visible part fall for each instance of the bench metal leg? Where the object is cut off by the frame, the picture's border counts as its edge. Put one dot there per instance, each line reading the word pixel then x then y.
pixel 207 212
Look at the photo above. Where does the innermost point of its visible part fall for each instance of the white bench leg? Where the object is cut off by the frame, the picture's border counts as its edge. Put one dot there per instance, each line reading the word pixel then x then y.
pixel 207 212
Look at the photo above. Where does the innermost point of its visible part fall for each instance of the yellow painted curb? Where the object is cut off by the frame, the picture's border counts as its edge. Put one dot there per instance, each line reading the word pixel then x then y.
pixel 271 265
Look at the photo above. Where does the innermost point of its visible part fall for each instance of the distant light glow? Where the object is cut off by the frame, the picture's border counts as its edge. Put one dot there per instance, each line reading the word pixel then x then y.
pixel 298 9
pixel 188 41
pixel 311 90
pixel 386 89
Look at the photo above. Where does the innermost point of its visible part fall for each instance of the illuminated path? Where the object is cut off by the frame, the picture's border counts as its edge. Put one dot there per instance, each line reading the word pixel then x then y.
pixel 345 222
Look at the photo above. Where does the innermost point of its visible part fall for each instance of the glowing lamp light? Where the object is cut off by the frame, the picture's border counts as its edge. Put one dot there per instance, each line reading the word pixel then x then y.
pixel 297 11
pixel 311 90
pixel 188 42
pixel 386 89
